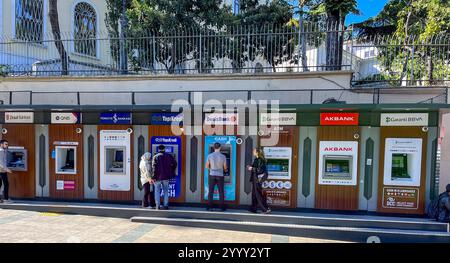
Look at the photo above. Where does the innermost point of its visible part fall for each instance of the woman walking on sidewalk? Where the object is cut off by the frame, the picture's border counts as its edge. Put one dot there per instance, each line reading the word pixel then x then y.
pixel 259 175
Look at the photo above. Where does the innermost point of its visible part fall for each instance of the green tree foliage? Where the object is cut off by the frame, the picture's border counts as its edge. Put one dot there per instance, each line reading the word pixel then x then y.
pixel 154 24
pixel 415 42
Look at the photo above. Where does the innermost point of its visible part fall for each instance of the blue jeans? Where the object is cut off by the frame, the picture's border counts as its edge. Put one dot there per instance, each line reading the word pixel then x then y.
pixel 165 188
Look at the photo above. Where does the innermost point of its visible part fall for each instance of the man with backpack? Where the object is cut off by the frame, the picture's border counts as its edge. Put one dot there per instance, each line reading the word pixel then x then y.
pixel 439 209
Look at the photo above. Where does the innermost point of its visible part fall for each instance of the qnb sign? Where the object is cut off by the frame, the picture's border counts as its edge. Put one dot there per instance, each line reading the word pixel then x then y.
pixel 65 117
pixel 404 119
pixel 327 119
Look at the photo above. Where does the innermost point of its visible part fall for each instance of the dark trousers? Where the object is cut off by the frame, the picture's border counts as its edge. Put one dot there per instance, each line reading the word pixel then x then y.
pixel 259 200
pixel 149 196
pixel 4 179
pixel 212 182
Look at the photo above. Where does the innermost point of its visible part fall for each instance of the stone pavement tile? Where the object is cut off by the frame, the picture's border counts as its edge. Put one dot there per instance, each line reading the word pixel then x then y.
pixel 312 240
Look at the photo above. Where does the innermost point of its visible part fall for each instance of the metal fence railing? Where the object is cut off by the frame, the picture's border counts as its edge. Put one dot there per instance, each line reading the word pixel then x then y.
pixel 239 49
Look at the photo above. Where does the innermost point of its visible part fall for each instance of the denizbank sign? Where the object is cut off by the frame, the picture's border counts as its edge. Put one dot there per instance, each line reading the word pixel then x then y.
pixel 404 119
pixel 278 118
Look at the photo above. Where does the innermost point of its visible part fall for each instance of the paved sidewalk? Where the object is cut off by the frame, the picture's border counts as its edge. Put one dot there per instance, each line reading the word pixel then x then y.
pixel 34 227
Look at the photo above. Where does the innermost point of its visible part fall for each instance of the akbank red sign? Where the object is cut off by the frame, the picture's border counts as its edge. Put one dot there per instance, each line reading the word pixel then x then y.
pixel 340 118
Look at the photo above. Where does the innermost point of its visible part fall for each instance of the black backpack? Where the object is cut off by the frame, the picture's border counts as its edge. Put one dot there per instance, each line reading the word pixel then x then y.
pixel 433 208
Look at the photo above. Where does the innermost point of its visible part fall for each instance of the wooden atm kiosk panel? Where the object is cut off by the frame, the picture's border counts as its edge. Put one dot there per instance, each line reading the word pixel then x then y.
pixel 21 159
pixel 66 161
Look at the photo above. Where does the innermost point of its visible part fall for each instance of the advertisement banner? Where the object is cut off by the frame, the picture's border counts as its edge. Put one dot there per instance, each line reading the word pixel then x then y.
pixel 278 193
pixel 284 119
pixel 167 119
pixel 115 118
pixel 221 119
pixel 65 117
pixel 400 198
pixel 19 117
pixel 229 150
pixel 115 160
pixel 338 162
pixel 404 119
pixel 173 147
pixel 402 161
pixel 340 118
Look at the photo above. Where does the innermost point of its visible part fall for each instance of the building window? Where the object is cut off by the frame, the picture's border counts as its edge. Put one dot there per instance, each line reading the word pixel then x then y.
pixel 236 7
pixel 85 29
pixel 29 22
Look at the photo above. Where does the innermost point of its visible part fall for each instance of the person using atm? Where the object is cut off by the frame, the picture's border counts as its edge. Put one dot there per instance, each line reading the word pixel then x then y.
pixel 164 166
pixel 146 180
pixel 4 171
pixel 217 165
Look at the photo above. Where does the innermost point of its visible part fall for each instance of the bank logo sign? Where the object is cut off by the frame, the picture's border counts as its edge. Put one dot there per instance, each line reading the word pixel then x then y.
pixel 278 119
pixel 404 119
pixel 167 118
pixel 65 117
pixel 19 117
pixel 339 119
pixel 115 118
pixel 221 119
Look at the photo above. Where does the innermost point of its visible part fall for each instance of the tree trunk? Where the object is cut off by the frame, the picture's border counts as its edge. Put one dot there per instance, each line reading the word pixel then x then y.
pixel 332 46
pixel 303 42
pixel 54 22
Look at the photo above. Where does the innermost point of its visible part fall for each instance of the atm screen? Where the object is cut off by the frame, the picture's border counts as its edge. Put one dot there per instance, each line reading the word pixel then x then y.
pixel 400 166
pixel 225 150
pixel 114 159
pixel 65 159
pixel 17 159
pixel 337 167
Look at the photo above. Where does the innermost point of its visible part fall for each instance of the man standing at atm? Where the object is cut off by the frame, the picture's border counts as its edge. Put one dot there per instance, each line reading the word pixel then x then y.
pixel 164 166
pixel 217 165
pixel 4 170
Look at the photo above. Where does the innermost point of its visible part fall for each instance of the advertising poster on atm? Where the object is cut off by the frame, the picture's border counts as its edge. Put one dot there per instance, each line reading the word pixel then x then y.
pixel 279 167
pixel 115 158
pixel 173 147
pixel 338 162
pixel 228 148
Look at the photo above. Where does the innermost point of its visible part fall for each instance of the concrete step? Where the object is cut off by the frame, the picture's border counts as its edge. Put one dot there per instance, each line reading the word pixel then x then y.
pixel 234 215
pixel 350 234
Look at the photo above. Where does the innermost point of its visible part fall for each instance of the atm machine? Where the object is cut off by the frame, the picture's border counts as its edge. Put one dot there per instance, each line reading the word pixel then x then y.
pixel 17 159
pixel 229 149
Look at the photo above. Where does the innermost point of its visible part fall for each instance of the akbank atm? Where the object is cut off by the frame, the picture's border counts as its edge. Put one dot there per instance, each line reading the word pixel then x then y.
pixel 172 146
pixel 17 159
pixel 228 148
pixel 115 160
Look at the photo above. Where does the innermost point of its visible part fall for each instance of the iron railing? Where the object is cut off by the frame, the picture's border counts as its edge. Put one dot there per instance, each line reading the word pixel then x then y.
pixel 378 61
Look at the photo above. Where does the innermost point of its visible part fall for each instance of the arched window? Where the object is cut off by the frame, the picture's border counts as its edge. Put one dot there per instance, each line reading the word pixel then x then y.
pixel 29 22
pixel 85 29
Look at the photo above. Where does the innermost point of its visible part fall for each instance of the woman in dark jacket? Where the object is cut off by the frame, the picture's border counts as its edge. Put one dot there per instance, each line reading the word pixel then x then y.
pixel 259 175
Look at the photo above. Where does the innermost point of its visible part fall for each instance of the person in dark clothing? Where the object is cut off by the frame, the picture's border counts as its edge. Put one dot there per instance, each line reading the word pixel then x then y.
pixel 164 166
pixel 444 206
pixel 258 176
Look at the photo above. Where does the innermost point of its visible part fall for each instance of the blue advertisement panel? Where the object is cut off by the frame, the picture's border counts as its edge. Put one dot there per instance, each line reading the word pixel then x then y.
pixel 115 118
pixel 173 147
pixel 167 118
pixel 228 148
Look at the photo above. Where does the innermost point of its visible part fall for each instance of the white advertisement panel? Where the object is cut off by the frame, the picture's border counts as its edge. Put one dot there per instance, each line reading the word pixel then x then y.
pixel 338 162
pixel 115 161
pixel 404 119
pixel 402 161
pixel 279 162
pixel 19 117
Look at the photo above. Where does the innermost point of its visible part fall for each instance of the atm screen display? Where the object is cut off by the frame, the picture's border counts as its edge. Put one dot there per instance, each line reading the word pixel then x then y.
pixel 17 160
pixel 114 162
pixel 400 166
pixel 337 167
pixel 65 159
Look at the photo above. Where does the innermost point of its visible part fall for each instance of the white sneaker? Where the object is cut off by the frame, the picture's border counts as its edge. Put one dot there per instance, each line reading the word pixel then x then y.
pixel 9 201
